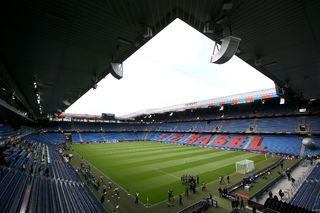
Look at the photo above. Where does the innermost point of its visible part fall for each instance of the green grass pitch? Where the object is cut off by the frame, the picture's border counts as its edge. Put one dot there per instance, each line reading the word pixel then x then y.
pixel 152 168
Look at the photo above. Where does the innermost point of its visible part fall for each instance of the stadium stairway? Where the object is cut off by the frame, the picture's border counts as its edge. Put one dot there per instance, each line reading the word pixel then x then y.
pixel 313 123
pixel 278 125
pixel 240 125
pixel 308 194
pixel 38 180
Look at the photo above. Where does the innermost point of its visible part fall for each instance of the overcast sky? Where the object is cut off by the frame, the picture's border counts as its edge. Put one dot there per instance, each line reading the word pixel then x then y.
pixel 172 68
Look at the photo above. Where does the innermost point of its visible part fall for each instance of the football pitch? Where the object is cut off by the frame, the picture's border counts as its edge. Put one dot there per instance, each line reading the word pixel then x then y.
pixel 153 168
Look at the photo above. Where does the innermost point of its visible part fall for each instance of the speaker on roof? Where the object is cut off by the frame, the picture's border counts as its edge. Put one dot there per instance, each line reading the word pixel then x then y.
pixel 228 48
pixel 116 70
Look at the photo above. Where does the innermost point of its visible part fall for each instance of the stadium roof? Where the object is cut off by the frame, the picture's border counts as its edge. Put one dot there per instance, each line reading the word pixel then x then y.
pixel 232 99
pixel 52 52
pixel 214 102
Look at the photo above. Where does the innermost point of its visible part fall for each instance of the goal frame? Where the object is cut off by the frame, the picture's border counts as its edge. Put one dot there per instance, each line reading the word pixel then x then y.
pixel 245 166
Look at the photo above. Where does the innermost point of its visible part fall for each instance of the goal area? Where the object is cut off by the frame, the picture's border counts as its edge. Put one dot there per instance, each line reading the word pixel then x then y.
pixel 244 166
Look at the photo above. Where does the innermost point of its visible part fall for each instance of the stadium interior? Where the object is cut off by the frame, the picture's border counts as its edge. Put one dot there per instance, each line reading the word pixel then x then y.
pixel 176 159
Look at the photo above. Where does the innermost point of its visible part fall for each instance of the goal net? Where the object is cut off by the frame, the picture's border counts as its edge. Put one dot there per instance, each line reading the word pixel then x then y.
pixel 244 166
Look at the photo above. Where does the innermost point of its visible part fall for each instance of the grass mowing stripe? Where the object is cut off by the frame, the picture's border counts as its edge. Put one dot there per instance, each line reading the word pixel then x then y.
pixel 136 150
pixel 149 153
pixel 166 157
pixel 178 163
pixel 119 155
pixel 123 150
pixel 179 158
pixel 128 146
pixel 107 148
pixel 213 165
pixel 192 164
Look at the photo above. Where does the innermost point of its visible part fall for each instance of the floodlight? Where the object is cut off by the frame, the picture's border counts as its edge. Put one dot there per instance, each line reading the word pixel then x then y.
pixel 302 110
pixel 148 33
pixel 66 102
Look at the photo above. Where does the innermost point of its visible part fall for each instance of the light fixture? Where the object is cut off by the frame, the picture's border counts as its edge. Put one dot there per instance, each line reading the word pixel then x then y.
pixel 66 102
pixel 148 33
pixel 302 110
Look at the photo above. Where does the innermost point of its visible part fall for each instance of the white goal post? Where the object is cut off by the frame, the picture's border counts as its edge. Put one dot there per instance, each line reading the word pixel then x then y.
pixel 244 166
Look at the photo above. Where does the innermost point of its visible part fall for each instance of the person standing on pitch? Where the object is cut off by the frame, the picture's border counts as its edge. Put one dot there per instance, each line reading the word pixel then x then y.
pixel 221 180
pixel 242 205
pixel 186 192
pixel 137 197
pixel 180 200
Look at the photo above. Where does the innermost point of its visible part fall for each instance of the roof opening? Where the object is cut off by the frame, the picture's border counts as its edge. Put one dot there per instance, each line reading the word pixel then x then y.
pixel 172 68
